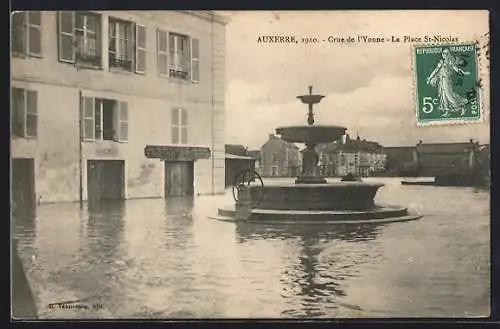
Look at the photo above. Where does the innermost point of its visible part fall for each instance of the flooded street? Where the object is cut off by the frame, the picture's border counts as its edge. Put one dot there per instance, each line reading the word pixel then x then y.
pixel 156 258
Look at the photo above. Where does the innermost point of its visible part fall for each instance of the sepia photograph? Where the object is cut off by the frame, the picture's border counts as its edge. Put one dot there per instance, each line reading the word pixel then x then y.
pixel 205 164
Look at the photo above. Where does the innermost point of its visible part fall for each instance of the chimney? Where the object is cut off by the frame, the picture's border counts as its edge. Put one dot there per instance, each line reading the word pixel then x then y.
pixel 271 136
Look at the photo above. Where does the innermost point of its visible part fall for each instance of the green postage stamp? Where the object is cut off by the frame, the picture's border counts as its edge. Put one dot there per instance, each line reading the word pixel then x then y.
pixel 447 84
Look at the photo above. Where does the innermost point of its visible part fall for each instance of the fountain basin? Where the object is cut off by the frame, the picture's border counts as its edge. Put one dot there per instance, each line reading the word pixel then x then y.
pixel 330 196
pixel 311 134
pixel 377 215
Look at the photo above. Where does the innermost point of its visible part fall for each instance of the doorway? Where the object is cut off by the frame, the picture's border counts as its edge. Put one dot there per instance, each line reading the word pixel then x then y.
pixel 23 185
pixel 179 178
pixel 105 180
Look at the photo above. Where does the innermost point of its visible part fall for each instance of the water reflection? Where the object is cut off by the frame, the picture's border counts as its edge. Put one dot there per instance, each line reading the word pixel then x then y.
pixel 96 271
pixel 313 285
pixel 24 222
pixel 179 207
pixel 347 232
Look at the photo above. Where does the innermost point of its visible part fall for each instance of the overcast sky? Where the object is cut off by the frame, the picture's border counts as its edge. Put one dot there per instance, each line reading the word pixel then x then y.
pixel 368 88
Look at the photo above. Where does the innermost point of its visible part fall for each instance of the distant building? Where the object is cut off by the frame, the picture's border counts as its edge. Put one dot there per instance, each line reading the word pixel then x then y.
pixel 359 157
pixel 328 158
pixel 256 156
pixel 238 159
pixel 446 158
pixel 400 160
pixel 280 158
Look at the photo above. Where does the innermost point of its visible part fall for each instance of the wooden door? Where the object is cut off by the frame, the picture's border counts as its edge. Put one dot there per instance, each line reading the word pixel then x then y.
pixel 113 175
pixel 179 178
pixel 23 185
pixel 94 173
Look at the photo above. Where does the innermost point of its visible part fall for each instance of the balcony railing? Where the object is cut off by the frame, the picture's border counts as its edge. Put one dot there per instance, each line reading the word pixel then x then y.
pixel 178 74
pixel 88 58
pixel 120 62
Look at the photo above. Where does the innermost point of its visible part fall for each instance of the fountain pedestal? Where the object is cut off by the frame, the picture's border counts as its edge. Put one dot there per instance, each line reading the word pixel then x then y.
pixel 310 172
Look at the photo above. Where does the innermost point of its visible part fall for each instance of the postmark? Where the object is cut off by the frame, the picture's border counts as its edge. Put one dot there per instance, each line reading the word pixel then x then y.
pixel 447 84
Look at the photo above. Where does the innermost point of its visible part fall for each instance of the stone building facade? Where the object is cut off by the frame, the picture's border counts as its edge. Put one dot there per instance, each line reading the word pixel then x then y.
pixel 355 156
pixel 91 90
pixel 279 158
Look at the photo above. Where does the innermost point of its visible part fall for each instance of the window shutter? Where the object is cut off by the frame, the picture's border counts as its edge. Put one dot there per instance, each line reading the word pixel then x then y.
pixel 66 36
pixel 34 33
pixel 140 48
pixel 123 120
pixel 129 31
pixel 183 119
pixel 31 113
pixel 195 60
pixel 175 117
pixel 175 125
pixel 162 51
pixel 88 118
pixel 18 112
pixel 184 128
pixel 19 33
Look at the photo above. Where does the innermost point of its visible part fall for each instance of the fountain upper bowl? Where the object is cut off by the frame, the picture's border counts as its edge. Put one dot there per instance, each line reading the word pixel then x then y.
pixel 311 134
pixel 311 99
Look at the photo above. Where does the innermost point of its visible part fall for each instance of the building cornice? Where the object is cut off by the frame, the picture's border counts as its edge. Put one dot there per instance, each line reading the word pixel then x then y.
pixel 209 15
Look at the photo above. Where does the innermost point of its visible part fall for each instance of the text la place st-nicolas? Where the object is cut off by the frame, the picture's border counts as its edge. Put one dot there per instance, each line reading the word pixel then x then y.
pixel 355 39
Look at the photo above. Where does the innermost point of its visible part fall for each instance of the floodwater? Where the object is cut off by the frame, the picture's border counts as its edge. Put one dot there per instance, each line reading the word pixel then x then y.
pixel 156 258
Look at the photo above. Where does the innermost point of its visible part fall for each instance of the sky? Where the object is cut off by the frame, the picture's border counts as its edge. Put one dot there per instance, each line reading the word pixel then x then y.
pixel 368 87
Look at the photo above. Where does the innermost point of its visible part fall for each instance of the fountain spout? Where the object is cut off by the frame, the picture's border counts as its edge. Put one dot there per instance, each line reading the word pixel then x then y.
pixel 310 100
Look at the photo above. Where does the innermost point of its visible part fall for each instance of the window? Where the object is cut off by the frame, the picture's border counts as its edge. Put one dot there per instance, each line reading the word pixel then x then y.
pixel 274 171
pixel 274 157
pixel 26 33
pixel 127 46
pixel 179 126
pixel 79 38
pixel 120 44
pixel 24 113
pixel 178 56
pixel 104 119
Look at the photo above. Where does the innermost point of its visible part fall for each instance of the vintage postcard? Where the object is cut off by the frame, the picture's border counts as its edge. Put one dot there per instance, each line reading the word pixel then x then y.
pixel 250 164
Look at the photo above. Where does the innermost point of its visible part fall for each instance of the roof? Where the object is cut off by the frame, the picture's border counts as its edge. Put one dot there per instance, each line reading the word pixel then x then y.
pixel 279 140
pixel 238 157
pixel 399 147
pixel 255 154
pixel 361 145
pixel 446 148
pixel 236 149
pixel 216 16
pixel 328 147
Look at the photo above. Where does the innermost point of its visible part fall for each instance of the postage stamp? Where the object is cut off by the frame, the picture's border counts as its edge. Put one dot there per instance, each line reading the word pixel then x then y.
pixel 447 84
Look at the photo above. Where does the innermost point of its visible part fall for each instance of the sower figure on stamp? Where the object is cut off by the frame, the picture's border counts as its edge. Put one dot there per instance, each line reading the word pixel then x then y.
pixel 442 79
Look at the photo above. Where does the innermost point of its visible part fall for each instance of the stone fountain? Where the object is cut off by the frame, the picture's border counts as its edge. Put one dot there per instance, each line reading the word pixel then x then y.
pixel 310 199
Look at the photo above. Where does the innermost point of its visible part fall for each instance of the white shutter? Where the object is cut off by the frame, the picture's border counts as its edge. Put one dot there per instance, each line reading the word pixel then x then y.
pixel 162 52
pixel 31 123
pixel 34 30
pixel 195 60
pixel 18 38
pixel 122 122
pixel 140 49
pixel 66 20
pixel 88 118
